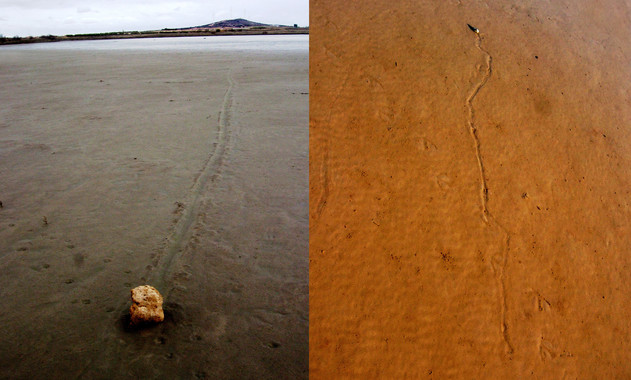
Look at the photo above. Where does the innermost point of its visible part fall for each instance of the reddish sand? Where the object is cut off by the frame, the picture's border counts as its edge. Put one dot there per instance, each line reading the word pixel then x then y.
pixel 469 194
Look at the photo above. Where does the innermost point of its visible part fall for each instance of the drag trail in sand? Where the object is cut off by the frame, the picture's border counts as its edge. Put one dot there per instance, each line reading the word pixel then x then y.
pixel 498 262
pixel 190 208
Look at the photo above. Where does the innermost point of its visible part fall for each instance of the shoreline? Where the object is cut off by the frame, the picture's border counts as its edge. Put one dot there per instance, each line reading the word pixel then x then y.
pixel 153 34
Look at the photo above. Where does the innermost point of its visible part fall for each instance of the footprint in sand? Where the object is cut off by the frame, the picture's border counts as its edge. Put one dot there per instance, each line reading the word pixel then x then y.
pixel 79 259
pixel 443 181
pixel 546 350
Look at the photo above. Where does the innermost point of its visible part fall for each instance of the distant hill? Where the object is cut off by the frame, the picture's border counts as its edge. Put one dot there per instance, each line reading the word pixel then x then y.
pixel 235 23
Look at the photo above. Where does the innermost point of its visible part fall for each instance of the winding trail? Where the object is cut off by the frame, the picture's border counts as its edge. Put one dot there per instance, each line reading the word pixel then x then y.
pixel 484 190
pixel 182 229
pixel 498 262
pixel 324 166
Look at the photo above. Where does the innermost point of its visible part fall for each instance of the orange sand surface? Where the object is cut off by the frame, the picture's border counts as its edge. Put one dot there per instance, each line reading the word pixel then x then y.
pixel 470 194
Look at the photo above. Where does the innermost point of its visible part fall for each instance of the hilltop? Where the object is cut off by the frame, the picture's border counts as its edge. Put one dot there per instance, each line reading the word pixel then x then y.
pixel 235 23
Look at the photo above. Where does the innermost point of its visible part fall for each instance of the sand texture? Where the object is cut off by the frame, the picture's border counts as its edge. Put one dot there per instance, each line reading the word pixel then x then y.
pixel 186 171
pixel 469 194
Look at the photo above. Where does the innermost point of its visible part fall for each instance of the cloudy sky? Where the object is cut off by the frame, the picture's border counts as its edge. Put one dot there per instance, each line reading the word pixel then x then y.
pixel 60 17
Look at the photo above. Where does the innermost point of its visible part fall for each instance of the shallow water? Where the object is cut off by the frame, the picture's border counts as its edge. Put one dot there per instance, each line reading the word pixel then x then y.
pixel 210 43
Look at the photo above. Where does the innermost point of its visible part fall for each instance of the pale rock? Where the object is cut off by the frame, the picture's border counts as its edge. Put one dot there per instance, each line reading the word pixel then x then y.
pixel 146 305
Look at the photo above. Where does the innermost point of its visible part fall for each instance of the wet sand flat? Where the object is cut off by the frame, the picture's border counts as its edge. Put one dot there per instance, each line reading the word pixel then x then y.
pixel 184 170
pixel 469 194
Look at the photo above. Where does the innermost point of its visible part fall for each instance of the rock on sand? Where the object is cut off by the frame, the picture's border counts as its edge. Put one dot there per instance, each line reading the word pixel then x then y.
pixel 146 305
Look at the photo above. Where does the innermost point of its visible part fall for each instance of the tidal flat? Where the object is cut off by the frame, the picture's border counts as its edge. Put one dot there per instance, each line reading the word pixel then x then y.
pixel 180 163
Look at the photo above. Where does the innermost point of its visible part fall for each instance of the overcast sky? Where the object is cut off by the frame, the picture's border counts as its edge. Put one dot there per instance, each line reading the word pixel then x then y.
pixel 60 17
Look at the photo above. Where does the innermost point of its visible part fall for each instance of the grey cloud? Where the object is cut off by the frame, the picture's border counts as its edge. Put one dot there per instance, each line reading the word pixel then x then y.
pixel 40 17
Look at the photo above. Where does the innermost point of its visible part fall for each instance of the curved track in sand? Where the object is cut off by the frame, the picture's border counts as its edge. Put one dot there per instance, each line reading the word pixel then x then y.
pixel 498 263
pixel 211 168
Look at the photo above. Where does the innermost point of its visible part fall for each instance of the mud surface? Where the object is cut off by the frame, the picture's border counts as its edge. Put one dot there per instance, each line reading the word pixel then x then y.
pixel 186 171
pixel 469 193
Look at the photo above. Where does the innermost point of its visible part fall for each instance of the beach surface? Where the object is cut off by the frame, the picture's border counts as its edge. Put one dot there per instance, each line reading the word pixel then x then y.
pixel 469 193
pixel 185 170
